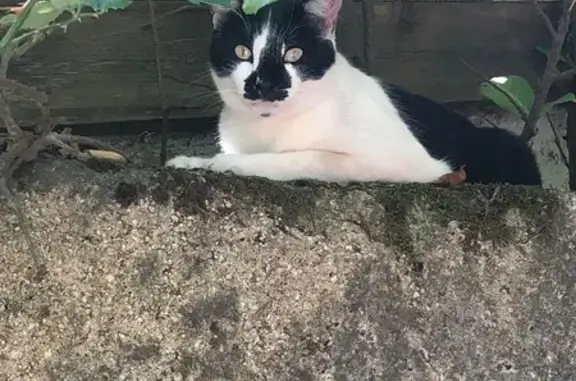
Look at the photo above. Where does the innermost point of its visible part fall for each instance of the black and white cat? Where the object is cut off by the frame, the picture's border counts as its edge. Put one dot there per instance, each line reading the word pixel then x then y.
pixel 295 108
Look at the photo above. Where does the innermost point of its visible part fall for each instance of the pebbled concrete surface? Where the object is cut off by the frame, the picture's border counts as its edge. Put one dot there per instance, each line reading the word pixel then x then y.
pixel 169 275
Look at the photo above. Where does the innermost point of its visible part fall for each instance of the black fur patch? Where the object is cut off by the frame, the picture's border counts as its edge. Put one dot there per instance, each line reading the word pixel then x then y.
pixel 490 155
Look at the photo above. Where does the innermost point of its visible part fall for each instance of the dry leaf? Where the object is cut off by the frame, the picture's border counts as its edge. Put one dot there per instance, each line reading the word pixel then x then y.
pixel 106 155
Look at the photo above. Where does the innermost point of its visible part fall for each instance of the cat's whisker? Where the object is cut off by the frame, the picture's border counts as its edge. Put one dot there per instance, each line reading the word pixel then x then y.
pixel 210 106
pixel 284 34
pixel 246 25
pixel 203 75
pixel 204 96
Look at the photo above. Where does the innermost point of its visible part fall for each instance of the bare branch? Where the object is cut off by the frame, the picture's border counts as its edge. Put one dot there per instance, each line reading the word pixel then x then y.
pixel 558 141
pixel 24 145
pixel 545 18
pixel 549 72
pixel 14 202
pixel 83 140
pixel 9 122
pixel 28 44
pixel 564 75
pixel 26 91
pixel 7 38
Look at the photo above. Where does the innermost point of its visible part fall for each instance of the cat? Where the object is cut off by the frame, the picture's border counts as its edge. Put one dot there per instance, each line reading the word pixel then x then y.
pixel 296 108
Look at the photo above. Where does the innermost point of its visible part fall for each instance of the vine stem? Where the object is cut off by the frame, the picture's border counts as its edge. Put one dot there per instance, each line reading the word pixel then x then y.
pixel 551 67
pixel 160 80
pixel 6 42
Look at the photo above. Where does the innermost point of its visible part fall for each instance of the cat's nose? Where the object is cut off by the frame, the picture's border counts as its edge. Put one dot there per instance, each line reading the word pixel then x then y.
pixel 263 88
pixel 263 85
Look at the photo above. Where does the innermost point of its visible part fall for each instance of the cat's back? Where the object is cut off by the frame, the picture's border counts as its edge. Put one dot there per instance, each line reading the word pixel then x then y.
pixel 489 154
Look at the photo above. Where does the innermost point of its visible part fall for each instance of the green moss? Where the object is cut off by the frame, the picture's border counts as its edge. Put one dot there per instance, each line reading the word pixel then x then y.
pixel 479 209
pixel 190 192
pixel 292 203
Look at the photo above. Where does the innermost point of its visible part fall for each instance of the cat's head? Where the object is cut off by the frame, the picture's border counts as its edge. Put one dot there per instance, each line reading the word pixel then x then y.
pixel 260 62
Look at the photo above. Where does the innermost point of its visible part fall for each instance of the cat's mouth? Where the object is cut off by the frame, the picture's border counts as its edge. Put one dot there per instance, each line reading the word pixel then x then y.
pixel 265 108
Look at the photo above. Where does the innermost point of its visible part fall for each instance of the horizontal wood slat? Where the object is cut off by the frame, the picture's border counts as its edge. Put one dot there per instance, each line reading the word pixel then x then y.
pixel 104 70
pixel 421 45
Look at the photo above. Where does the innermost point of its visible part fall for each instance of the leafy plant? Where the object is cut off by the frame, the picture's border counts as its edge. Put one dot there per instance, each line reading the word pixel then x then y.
pixel 515 94
pixel 21 28
pixel 249 7
pixel 31 22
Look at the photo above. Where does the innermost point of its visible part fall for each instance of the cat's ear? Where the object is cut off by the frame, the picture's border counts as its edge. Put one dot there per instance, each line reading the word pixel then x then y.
pixel 218 11
pixel 326 10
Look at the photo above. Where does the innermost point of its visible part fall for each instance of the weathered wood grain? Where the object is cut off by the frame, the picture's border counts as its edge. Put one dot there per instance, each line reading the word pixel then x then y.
pixel 421 44
pixel 104 70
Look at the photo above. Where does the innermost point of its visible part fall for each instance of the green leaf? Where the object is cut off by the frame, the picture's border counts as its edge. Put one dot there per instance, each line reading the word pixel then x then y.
pixel 8 19
pixel 520 94
pixel 41 15
pixel 251 7
pixel 106 5
pixel 47 11
pixel 223 3
pixel 67 4
pixel 570 97
pixel 96 5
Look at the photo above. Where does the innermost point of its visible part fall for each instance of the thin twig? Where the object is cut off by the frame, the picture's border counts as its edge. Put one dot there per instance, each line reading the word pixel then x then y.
pixel 564 75
pixel 18 208
pixel 29 44
pixel 65 148
pixel 46 123
pixel 558 141
pixel 6 40
pixel 164 136
pixel 549 71
pixel 83 140
pixel 488 81
pixel 159 79
pixel 545 19
pixel 9 122
pixel 12 153
pixel 27 91
pixel 4 62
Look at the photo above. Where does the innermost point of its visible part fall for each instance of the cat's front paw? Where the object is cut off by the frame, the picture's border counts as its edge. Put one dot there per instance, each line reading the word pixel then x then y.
pixel 187 162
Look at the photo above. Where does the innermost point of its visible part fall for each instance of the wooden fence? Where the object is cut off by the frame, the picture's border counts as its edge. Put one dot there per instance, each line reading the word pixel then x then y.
pixel 104 70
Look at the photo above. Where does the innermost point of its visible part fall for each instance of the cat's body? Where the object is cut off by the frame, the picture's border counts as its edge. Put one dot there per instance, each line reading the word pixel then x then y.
pixel 295 108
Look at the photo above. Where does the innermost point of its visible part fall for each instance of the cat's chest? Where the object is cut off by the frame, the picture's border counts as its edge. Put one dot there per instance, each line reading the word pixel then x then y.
pixel 314 130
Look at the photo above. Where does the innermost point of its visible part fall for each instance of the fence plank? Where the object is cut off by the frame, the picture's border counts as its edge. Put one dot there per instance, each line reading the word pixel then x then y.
pixel 103 70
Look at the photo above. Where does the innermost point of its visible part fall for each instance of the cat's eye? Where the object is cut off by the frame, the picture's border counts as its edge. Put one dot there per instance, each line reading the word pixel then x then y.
pixel 242 52
pixel 293 55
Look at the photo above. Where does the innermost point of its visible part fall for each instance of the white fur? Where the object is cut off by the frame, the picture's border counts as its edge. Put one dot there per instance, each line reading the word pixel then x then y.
pixel 342 127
